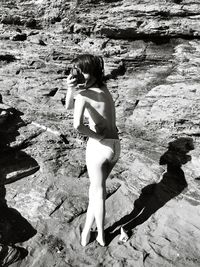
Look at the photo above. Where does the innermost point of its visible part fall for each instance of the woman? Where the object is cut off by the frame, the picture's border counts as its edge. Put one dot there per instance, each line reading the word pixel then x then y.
pixel 103 147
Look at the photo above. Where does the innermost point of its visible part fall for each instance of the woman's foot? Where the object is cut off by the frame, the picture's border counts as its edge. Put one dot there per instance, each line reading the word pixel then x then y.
pixel 101 241
pixel 123 235
pixel 85 238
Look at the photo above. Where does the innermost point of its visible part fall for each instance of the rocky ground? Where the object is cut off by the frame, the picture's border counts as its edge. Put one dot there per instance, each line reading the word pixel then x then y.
pixel 152 63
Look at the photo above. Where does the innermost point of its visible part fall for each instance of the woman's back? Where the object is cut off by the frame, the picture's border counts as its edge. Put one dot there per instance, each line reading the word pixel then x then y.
pixel 101 111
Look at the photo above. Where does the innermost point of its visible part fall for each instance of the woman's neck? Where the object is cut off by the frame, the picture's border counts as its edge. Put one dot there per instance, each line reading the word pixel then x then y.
pixel 91 84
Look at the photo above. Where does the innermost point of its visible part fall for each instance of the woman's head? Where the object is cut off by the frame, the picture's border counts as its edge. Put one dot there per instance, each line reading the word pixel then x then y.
pixel 92 65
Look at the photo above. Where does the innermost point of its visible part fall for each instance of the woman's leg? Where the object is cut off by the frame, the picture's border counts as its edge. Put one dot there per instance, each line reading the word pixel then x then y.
pixel 85 236
pixel 98 169
pixel 98 174
pixel 97 194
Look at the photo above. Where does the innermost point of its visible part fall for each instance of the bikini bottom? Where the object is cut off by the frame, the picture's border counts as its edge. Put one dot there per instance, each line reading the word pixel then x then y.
pixel 100 151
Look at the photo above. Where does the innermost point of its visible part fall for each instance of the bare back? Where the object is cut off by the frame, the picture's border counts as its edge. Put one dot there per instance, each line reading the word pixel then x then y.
pixel 100 110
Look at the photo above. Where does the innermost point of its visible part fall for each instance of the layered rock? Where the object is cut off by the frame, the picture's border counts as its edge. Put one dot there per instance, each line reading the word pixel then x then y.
pixel 152 54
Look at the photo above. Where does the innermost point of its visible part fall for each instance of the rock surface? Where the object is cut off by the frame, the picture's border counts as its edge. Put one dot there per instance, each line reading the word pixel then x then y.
pixel 152 62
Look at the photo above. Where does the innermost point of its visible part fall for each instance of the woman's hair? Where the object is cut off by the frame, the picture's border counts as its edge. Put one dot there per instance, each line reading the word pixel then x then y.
pixel 92 65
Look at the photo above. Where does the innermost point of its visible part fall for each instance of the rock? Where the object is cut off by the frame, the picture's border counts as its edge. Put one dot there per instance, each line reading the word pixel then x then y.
pixel 151 51
pixel 11 254
pixel 19 37
pixel 8 58
pixel 31 23
pixel 11 20
pixel 5 111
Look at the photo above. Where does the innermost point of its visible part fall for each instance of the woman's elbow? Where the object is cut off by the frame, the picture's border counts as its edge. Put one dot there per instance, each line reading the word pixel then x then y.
pixel 77 126
pixel 69 106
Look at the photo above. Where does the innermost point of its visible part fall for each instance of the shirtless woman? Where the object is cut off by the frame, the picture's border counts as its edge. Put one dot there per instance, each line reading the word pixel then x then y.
pixel 103 147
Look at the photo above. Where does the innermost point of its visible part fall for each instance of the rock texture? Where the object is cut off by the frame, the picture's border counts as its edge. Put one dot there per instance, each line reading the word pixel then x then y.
pixel 152 64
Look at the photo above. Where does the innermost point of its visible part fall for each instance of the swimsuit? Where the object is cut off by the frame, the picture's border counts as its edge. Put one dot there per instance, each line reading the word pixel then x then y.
pixel 101 151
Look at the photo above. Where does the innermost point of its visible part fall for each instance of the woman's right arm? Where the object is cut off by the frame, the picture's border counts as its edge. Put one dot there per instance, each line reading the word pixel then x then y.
pixel 69 99
pixel 78 119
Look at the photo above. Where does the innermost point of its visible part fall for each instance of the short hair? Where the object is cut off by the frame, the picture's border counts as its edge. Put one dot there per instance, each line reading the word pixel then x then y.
pixel 93 65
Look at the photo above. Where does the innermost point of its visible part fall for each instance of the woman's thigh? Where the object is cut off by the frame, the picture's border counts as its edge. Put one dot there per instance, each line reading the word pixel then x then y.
pixel 97 171
pixel 100 160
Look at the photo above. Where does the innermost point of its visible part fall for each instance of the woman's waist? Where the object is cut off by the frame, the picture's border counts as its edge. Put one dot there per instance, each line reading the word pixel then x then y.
pixel 90 139
pixel 105 137
pixel 108 133
pixel 108 142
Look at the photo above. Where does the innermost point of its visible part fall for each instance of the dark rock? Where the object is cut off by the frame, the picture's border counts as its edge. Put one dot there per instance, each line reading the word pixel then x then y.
pixel 12 20
pixel 20 37
pixel 11 254
pixel 31 23
pixel 8 58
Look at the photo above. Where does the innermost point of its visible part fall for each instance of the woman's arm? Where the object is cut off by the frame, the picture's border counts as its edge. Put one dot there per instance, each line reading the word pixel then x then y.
pixel 71 87
pixel 79 108
pixel 69 99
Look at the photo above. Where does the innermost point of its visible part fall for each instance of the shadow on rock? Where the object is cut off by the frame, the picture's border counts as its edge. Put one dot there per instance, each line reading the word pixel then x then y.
pixel 14 165
pixel 156 195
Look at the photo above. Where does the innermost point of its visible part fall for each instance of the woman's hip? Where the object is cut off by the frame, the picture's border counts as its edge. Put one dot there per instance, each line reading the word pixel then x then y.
pixel 107 149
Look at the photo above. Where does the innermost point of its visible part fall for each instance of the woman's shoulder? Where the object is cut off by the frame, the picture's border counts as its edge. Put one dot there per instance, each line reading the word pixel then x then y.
pixel 80 97
pixel 82 94
pixel 93 93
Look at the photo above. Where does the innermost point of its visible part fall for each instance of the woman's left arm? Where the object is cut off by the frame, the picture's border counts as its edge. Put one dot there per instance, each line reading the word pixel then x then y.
pixel 79 108
pixel 71 88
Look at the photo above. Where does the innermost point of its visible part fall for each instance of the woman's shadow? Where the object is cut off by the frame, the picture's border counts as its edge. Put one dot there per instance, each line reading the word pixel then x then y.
pixel 156 195
pixel 15 164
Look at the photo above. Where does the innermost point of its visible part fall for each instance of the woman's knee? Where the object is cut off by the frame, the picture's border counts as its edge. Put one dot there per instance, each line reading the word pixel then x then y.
pixel 97 192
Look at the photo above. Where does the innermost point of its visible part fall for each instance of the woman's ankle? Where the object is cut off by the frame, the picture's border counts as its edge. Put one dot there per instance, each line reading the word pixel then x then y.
pixel 101 239
pixel 85 237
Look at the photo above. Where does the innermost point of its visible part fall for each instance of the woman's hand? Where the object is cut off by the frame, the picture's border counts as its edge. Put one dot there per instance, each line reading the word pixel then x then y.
pixel 101 130
pixel 71 82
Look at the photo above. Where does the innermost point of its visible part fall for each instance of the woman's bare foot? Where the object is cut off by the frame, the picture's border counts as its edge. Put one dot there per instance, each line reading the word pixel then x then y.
pixel 101 241
pixel 123 235
pixel 85 238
